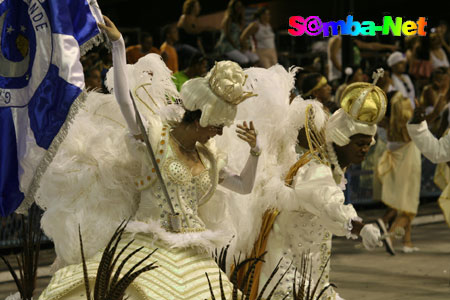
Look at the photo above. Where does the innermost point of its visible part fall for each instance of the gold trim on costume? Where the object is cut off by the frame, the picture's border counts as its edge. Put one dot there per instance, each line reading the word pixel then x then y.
pixel 259 248
pixel 148 94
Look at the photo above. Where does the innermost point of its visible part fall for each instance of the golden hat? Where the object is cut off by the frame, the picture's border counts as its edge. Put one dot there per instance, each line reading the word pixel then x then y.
pixel 364 102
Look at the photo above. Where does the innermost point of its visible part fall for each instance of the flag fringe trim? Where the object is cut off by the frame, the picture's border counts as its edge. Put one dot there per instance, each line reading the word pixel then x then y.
pixel 51 153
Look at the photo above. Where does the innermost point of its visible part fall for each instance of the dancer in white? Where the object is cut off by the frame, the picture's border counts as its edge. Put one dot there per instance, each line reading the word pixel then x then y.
pixel 312 207
pixel 102 175
pixel 306 204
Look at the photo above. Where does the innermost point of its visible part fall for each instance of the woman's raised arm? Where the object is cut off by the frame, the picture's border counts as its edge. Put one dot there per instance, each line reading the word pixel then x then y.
pixel 121 88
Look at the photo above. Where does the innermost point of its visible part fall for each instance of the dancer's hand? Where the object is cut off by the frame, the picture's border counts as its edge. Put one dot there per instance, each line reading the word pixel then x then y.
pixel 371 237
pixel 110 29
pixel 247 134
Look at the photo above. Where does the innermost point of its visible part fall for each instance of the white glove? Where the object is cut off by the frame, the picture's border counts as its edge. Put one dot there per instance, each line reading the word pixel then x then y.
pixel 371 237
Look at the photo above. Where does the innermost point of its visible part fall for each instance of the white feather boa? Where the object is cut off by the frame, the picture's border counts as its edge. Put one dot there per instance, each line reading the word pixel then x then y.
pixel 278 123
pixel 207 240
pixel 269 112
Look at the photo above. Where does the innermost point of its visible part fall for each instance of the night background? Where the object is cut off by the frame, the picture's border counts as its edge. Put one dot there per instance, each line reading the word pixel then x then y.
pixel 152 15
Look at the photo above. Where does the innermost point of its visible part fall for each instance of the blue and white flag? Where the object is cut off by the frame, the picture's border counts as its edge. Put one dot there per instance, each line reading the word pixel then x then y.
pixel 40 78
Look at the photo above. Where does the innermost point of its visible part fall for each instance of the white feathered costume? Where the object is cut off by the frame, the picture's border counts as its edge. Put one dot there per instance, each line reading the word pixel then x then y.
pixel 312 209
pixel 103 175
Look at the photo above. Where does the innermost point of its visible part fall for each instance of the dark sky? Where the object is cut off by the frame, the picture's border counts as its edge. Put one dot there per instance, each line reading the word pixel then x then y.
pixel 136 12
pixel 150 15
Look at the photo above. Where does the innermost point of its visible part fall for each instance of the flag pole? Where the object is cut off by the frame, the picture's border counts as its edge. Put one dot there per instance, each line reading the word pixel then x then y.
pixel 174 217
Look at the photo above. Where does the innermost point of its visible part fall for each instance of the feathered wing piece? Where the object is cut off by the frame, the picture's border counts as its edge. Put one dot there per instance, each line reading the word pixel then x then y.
pixel 268 111
pixel 151 83
pixel 90 181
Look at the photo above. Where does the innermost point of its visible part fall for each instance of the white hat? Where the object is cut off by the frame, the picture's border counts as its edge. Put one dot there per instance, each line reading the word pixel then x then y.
pixel 217 94
pixel 395 58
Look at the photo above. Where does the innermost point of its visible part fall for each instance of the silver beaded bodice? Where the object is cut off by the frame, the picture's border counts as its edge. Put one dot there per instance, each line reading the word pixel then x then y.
pixel 185 190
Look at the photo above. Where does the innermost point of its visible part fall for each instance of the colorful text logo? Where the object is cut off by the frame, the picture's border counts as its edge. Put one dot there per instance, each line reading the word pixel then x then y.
pixel 313 26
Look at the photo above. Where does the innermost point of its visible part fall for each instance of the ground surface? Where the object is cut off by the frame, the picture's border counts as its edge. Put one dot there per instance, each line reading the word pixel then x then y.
pixel 358 274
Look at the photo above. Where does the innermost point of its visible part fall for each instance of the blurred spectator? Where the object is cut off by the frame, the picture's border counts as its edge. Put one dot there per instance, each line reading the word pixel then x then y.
pixel 106 64
pixel 89 60
pixel 385 82
pixel 352 74
pixel 197 67
pixel 442 31
pixel 189 29
pixel 437 54
pixel 168 52
pixel 315 86
pixel 439 81
pixel 93 79
pixel 434 98
pixel 401 81
pixel 263 36
pixel 335 60
pixel 411 44
pixel 420 65
pixel 371 161
pixel 335 55
pixel 145 47
pixel 399 170
pixel 229 43
pixel 297 90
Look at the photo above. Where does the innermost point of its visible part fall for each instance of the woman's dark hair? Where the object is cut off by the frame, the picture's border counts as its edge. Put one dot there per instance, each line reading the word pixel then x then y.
pixel 191 116
pixel 257 15
pixel 196 58
pixel 310 81
pixel 231 11
pixel 165 31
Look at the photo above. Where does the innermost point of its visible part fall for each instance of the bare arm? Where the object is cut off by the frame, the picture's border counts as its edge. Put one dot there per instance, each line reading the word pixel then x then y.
pixel 438 107
pixel 190 25
pixel 250 30
pixel 427 98
pixel 374 46
pixel 438 103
